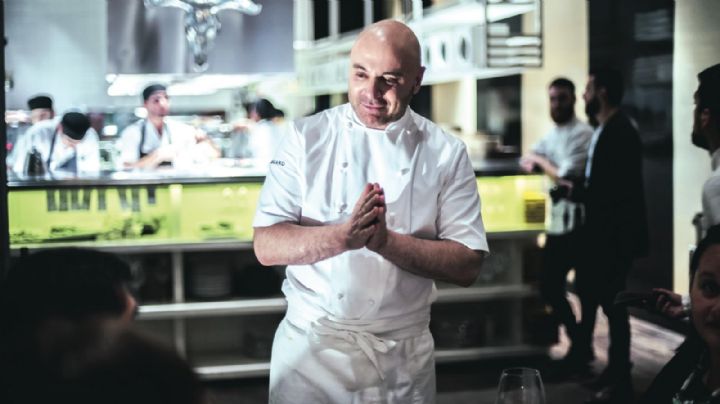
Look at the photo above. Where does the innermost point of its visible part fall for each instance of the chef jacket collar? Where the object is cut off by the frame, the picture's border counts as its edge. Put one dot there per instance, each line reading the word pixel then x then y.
pixel 405 123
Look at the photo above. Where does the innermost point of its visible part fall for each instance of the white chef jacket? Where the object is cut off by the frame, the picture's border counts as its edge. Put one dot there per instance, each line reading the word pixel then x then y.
pixel 181 138
pixel 42 135
pixel 566 146
pixel 711 195
pixel 317 176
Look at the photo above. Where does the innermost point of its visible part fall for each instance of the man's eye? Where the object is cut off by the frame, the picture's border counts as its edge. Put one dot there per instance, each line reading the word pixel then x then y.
pixel 360 75
pixel 391 81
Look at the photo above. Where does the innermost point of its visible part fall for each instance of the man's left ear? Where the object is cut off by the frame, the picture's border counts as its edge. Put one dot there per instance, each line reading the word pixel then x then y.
pixel 418 80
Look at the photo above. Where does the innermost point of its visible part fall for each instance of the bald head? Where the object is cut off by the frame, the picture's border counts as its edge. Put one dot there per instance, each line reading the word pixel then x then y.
pixel 395 35
pixel 385 72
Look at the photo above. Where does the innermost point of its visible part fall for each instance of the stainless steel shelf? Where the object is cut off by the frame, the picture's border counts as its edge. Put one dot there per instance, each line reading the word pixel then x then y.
pixel 221 372
pixel 262 369
pixel 480 293
pixel 217 308
pixel 278 304
pixel 147 246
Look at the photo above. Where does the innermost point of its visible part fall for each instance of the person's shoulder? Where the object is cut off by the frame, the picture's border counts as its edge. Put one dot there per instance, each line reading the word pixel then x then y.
pixel 620 121
pixel 133 128
pixel 317 126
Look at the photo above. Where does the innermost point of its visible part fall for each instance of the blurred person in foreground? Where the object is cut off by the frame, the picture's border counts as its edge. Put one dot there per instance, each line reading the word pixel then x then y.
pixel 693 375
pixel 56 286
pixel 367 203
pixel 614 232
pixel 561 155
pixel 158 141
pixel 99 360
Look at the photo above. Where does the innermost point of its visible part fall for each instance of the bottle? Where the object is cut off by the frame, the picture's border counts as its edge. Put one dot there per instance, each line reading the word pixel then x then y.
pixel 34 164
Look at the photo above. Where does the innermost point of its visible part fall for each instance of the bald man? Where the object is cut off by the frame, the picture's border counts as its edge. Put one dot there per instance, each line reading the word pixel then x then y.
pixel 367 204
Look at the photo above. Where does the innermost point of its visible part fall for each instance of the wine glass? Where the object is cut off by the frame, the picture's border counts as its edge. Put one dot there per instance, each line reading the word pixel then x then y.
pixel 520 386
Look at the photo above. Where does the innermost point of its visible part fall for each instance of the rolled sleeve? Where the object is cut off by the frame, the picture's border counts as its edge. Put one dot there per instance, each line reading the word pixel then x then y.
pixel 282 194
pixel 459 205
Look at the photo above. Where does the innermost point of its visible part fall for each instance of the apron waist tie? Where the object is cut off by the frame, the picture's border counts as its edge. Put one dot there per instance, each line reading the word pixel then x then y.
pixel 369 336
pixel 327 332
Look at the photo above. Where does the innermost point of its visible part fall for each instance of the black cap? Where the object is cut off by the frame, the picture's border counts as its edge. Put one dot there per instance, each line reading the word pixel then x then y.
pixel 40 101
pixel 75 124
pixel 149 90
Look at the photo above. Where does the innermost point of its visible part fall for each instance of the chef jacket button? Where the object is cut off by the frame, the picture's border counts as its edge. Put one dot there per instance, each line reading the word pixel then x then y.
pixel 344 164
pixel 371 302
pixel 340 296
pixel 349 125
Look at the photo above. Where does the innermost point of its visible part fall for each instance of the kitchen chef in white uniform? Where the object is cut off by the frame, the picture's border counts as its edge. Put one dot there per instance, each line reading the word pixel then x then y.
pixel 66 144
pixel 158 141
pixel 367 203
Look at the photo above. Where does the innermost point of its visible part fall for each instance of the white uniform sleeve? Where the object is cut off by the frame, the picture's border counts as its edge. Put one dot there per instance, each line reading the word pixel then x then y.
pixel 577 153
pixel 282 194
pixel 128 145
pixel 459 216
pixel 90 155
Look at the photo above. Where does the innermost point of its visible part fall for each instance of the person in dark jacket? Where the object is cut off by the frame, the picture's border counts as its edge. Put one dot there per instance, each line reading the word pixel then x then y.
pixel 615 229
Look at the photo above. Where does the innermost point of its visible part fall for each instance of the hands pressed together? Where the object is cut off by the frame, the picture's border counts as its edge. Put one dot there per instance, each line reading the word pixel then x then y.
pixel 367 226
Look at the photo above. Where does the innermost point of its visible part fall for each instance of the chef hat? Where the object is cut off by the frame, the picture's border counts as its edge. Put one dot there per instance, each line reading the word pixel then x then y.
pixel 40 101
pixel 75 124
pixel 149 90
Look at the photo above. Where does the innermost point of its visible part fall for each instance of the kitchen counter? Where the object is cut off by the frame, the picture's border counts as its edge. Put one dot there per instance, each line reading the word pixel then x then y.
pixel 220 171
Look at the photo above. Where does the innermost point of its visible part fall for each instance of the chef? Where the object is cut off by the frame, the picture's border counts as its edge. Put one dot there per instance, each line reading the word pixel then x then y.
pixel 156 140
pixel 64 145
pixel 367 203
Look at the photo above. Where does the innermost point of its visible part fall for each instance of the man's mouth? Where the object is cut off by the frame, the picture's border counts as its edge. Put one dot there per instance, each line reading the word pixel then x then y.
pixel 372 106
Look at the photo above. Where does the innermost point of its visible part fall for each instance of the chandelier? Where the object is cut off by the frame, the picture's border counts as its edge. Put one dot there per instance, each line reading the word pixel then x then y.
pixel 202 23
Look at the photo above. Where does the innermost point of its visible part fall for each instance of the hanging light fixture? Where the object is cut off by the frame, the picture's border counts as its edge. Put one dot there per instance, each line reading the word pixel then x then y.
pixel 202 23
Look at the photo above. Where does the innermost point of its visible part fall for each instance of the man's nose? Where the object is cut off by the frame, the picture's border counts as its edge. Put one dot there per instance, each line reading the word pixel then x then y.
pixel 377 88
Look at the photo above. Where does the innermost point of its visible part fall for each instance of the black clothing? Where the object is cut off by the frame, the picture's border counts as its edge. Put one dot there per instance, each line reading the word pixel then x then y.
pixel 614 233
pixel 559 256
